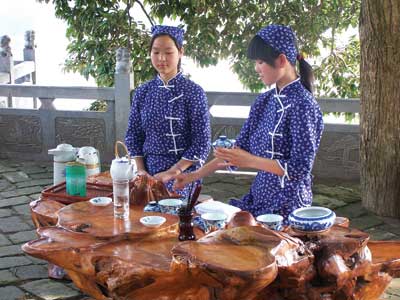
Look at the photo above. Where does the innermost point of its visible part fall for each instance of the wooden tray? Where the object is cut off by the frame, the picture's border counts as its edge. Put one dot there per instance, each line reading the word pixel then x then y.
pixel 59 193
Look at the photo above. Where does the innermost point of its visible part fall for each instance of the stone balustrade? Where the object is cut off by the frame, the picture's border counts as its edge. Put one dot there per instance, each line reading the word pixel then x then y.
pixel 29 133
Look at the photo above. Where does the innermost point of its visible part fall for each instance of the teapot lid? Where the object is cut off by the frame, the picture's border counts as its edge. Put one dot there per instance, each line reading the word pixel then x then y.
pixel 120 160
pixel 64 147
pixel 86 150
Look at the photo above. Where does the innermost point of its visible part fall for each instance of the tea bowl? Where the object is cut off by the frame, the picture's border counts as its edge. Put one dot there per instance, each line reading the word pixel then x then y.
pixel 271 221
pixel 214 220
pixel 152 221
pixel 170 206
pixel 312 219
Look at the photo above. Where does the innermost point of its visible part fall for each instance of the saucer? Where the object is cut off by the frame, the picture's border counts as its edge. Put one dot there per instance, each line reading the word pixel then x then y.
pixel 152 221
pixel 100 201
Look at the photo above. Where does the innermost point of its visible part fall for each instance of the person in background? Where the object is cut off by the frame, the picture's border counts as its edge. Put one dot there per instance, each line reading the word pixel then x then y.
pixel 169 128
pixel 281 136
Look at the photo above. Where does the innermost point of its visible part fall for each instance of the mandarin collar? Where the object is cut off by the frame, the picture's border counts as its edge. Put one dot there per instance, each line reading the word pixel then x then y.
pixel 170 82
pixel 287 87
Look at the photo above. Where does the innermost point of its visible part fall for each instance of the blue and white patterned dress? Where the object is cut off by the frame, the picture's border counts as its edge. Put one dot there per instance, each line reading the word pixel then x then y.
pixel 285 126
pixel 169 122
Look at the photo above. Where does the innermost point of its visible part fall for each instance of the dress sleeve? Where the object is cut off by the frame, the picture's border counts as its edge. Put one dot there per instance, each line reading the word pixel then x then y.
pixel 135 135
pixel 200 128
pixel 305 132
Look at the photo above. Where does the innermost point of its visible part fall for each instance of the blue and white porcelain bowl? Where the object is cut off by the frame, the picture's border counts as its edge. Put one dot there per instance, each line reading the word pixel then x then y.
pixel 170 206
pixel 272 221
pixel 312 219
pixel 214 220
pixel 223 142
pixel 152 206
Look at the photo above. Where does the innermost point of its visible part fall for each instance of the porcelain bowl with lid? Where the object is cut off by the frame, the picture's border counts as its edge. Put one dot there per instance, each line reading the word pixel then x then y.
pixel 312 219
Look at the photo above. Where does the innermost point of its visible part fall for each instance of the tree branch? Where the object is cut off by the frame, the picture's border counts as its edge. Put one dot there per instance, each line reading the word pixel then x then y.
pixel 145 12
pixel 128 8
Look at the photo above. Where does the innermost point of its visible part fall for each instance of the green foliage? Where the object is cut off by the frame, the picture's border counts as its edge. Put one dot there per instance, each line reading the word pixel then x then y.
pixel 214 30
pixel 98 105
pixel 338 74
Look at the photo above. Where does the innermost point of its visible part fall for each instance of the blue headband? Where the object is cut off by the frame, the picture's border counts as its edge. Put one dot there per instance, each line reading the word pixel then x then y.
pixel 175 32
pixel 282 39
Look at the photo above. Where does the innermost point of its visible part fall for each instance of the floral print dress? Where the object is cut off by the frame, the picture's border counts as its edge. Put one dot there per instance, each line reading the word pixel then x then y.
pixel 285 126
pixel 169 122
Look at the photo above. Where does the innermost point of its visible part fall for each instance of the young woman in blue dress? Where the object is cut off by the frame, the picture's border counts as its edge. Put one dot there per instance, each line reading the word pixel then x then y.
pixel 281 136
pixel 169 128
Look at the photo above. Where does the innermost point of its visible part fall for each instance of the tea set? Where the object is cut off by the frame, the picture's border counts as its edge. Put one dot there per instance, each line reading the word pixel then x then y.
pixel 212 215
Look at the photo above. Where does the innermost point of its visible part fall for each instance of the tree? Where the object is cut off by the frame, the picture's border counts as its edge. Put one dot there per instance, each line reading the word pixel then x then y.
pixel 214 30
pixel 380 106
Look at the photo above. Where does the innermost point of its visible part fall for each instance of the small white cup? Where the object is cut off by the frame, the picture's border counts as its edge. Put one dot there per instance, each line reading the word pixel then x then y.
pixel 214 220
pixel 272 221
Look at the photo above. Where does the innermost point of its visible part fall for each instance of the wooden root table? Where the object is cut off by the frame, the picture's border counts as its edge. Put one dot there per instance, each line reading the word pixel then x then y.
pixel 113 259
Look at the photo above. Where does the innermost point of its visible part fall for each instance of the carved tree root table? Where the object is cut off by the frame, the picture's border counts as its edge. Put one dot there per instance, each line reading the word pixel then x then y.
pixel 113 259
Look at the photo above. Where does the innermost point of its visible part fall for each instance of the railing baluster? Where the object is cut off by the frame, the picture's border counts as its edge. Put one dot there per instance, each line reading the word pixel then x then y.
pixel 46 103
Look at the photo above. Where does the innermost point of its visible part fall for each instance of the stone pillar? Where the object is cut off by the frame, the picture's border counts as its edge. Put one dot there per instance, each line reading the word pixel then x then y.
pixel 7 62
pixel 123 86
pixel 29 55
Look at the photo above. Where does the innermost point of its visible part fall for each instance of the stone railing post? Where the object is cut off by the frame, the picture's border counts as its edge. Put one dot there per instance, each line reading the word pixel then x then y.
pixel 7 62
pixel 123 86
pixel 29 55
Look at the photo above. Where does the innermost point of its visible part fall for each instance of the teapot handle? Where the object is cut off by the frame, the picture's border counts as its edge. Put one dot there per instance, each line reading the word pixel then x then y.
pixel 125 148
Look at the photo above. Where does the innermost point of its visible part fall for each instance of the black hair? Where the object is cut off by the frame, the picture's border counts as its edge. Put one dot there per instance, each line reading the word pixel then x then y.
pixel 259 49
pixel 175 42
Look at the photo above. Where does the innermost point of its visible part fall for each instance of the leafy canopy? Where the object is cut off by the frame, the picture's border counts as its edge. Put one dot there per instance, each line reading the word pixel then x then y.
pixel 214 30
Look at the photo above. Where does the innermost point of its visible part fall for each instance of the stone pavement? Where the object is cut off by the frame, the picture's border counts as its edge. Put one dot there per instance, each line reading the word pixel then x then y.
pixel 23 277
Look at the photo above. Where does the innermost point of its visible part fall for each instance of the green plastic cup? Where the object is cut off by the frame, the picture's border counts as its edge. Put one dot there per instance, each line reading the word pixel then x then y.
pixel 75 174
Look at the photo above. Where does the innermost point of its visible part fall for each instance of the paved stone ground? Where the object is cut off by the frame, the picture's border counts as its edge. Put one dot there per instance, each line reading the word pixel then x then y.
pixel 25 278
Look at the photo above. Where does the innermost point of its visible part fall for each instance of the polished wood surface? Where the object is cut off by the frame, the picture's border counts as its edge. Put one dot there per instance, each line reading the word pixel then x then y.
pixel 99 221
pixel 109 261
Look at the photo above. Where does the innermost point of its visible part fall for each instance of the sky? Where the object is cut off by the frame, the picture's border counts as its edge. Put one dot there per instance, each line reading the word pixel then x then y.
pixel 18 16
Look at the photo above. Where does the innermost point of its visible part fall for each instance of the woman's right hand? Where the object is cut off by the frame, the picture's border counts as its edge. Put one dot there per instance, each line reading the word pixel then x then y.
pixel 143 173
pixel 183 179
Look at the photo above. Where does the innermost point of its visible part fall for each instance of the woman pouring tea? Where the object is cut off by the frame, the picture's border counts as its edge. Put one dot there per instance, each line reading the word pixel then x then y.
pixel 281 136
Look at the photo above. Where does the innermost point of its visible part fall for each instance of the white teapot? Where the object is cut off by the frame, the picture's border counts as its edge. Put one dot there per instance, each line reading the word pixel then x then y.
pixel 122 168
pixel 90 157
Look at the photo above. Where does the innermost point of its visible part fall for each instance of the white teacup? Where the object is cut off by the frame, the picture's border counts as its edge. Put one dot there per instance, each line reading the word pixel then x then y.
pixel 214 220
pixel 272 221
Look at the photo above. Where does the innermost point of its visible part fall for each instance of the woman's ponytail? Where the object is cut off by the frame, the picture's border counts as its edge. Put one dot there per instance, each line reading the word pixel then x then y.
pixel 306 74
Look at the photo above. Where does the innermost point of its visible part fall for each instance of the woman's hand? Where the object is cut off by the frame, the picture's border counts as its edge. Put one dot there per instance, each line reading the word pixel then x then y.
pixel 143 173
pixel 234 157
pixel 166 175
pixel 183 179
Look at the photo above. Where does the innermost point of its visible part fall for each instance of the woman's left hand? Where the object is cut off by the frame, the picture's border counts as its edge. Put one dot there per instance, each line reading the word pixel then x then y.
pixel 166 175
pixel 234 157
